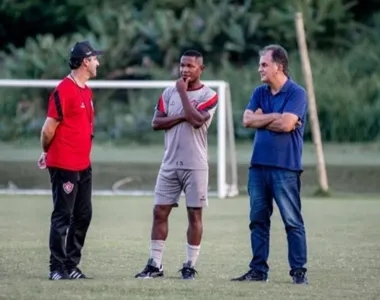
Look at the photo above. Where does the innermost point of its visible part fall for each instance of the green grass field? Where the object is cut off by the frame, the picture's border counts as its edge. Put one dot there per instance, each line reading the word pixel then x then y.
pixel 343 244
pixel 352 169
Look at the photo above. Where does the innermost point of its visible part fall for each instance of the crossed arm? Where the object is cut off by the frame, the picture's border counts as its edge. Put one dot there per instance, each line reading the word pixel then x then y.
pixel 195 117
pixel 163 122
pixel 277 122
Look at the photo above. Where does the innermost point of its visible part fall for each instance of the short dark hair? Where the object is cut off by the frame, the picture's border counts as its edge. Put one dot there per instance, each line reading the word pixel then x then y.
pixel 279 56
pixel 192 53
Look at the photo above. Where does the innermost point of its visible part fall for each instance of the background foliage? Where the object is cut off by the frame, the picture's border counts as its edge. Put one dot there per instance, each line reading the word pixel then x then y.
pixel 144 39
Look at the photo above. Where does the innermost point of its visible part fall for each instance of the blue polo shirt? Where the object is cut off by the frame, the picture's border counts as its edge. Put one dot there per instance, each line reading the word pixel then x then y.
pixel 279 149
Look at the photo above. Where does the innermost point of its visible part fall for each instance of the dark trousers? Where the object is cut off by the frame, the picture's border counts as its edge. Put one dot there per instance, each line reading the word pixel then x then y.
pixel 71 216
pixel 264 185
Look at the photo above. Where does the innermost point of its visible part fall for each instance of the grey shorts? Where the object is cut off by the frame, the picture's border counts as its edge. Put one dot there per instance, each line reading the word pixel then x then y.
pixel 171 183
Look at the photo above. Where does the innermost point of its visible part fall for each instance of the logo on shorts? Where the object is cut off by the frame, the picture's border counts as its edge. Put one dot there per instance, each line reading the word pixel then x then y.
pixel 68 187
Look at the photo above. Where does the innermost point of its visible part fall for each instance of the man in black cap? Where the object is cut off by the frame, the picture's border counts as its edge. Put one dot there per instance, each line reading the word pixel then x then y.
pixel 66 141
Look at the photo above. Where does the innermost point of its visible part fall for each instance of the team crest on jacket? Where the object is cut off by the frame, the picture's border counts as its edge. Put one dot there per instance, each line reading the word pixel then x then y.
pixel 68 187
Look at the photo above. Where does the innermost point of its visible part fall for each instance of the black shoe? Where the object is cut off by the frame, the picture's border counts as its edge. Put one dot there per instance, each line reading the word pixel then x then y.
pixel 58 275
pixel 76 273
pixel 188 272
pixel 151 270
pixel 299 276
pixel 252 275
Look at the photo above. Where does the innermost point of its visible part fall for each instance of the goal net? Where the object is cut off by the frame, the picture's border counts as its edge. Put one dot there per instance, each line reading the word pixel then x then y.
pixel 122 168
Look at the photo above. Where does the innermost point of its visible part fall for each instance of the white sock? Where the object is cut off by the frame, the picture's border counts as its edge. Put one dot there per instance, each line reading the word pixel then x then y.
pixel 192 254
pixel 157 251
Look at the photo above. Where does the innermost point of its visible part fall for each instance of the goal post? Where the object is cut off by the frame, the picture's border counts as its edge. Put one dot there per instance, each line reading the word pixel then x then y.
pixel 227 181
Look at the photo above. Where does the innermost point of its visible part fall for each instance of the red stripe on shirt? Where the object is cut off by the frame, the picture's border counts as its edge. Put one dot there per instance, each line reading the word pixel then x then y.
pixel 161 107
pixel 209 103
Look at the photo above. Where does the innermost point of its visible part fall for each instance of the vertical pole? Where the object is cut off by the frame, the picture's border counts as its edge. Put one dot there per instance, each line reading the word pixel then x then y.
pixel 222 141
pixel 316 132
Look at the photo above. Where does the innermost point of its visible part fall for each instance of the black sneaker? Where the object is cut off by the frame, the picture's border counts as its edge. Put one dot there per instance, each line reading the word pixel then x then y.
pixel 299 276
pixel 58 275
pixel 252 275
pixel 188 272
pixel 151 270
pixel 76 273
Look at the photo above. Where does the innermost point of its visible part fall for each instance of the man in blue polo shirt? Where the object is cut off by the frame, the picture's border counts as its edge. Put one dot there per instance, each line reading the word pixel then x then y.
pixel 277 110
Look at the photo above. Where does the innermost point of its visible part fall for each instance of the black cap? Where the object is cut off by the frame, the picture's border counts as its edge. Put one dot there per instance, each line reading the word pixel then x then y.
pixel 84 49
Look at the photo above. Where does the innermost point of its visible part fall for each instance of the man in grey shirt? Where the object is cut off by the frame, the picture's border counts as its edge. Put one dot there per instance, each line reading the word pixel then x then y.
pixel 185 113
